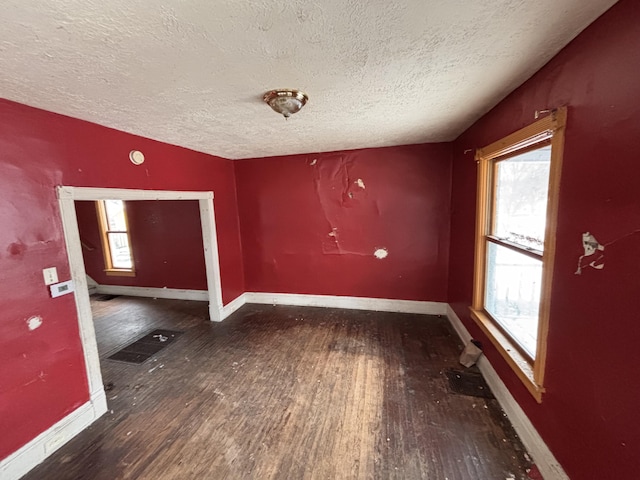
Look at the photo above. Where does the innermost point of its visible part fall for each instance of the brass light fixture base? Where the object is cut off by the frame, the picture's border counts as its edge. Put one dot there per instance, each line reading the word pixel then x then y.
pixel 285 101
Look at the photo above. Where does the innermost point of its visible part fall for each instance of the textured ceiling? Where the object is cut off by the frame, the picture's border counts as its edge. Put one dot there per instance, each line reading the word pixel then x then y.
pixel 192 73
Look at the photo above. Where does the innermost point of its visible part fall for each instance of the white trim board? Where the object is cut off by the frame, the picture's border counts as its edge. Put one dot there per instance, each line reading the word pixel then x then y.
pixel 99 193
pixel 37 450
pixel 545 460
pixel 153 292
pixel 232 306
pixel 354 303
pixel 173 293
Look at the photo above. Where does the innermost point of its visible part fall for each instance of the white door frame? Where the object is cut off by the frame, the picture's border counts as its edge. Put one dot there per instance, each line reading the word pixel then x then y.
pixel 66 198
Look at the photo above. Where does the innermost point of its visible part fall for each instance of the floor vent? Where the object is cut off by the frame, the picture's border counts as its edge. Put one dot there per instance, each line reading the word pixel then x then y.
pixel 141 350
pixel 468 382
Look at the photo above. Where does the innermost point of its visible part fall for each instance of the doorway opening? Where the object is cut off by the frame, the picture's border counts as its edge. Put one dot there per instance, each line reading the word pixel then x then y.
pixel 67 196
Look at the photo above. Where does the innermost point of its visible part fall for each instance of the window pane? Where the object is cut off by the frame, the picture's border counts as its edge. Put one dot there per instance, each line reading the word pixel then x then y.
pixel 512 294
pixel 115 215
pixel 521 187
pixel 120 252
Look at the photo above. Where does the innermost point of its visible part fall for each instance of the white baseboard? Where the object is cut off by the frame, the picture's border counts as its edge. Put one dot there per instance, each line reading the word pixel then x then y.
pixel 545 461
pixel 37 450
pixel 232 306
pixel 354 303
pixel 153 292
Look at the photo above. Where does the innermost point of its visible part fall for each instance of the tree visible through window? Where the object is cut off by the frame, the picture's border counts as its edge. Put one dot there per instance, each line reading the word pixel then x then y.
pixel 115 237
pixel 518 182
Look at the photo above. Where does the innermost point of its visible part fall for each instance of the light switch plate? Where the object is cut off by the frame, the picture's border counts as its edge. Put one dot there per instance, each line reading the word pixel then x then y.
pixel 50 275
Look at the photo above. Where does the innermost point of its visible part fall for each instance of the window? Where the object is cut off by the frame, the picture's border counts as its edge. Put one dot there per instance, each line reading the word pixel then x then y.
pixel 518 182
pixel 116 244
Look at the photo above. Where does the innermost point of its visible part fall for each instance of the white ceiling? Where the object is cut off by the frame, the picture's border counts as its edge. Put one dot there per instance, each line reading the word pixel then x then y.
pixel 192 73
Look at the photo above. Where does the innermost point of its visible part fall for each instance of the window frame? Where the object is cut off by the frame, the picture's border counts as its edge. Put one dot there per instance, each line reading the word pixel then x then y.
pixel 551 130
pixel 103 224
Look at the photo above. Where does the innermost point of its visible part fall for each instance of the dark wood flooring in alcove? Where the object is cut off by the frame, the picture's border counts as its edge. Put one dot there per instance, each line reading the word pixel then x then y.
pixel 285 393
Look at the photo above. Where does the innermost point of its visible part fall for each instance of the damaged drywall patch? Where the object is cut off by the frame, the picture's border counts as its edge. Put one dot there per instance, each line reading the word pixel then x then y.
pixel 34 322
pixel 592 253
pixel 351 212
pixel 381 253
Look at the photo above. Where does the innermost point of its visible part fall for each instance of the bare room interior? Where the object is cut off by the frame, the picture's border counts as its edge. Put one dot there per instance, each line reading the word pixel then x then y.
pixel 256 240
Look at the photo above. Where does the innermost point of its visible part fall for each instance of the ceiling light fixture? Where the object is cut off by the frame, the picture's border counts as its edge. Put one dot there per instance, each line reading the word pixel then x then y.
pixel 286 102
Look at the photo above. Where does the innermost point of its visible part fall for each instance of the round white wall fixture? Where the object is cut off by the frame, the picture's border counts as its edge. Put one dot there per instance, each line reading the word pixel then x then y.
pixel 136 157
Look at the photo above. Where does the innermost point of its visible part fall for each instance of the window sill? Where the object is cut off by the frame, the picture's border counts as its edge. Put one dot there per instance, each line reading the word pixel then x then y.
pixel 518 362
pixel 117 272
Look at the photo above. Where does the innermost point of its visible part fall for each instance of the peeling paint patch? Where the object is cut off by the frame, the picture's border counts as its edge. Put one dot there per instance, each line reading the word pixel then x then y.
pixel 350 211
pixel 313 162
pixel 592 253
pixel 360 183
pixel 34 322
pixel 381 253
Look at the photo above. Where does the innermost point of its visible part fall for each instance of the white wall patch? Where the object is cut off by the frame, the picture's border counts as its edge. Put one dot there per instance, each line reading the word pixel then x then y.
pixel 34 322
pixel 360 183
pixel 381 253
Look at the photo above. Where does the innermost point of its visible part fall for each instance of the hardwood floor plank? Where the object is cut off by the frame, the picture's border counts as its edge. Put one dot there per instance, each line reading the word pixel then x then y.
pixel 285 393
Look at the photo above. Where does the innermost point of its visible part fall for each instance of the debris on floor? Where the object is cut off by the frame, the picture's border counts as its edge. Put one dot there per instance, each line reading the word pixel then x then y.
pixel 471 353
pixel 468 382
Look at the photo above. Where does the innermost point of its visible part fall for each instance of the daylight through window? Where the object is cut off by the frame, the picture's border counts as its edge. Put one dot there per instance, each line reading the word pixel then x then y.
pixel 116 244
pixel 518 180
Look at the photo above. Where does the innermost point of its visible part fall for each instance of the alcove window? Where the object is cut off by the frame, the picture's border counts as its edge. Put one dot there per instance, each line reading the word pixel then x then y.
pixel 116 242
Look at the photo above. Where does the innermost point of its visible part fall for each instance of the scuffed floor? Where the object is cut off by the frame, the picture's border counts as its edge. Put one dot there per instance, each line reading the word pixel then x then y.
pixel 286 393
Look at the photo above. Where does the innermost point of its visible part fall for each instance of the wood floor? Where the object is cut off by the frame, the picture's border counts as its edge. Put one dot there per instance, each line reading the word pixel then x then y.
pixel 285 393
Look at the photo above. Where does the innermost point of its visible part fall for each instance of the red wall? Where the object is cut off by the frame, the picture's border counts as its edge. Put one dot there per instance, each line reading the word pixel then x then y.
pixel 289 206
pixel 42 377
pixel 166 241
pixel 589 414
